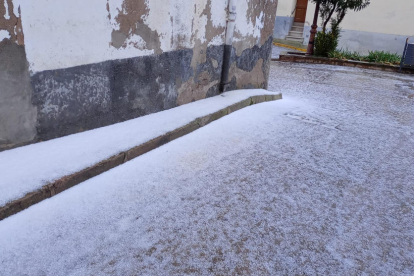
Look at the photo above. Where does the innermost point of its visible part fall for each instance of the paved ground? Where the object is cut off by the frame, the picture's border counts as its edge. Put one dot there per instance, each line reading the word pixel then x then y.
pixel 290 43
pixel 320 183
pixel 276 51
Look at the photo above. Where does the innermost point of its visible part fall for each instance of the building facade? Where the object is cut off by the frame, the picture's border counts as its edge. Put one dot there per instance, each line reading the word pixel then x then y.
pixel 384 25
pixel 70 66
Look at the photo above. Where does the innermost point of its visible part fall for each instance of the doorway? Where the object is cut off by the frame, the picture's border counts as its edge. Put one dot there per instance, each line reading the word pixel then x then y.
pixel 300 14
pixel 296 31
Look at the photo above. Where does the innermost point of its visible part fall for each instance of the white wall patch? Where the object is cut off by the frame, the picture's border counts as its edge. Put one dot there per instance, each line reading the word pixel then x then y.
pixel 6 15
pixel 4 34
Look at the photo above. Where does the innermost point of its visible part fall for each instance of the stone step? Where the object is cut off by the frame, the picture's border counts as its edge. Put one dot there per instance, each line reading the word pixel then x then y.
pixel 297 29
pixel 292 38
pixel 53 166
pixel 298 24
pixel 295 34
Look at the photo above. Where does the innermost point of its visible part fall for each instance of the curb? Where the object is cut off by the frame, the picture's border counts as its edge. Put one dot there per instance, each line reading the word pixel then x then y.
pixel 289 47
pixel 69 181
pixel 346 63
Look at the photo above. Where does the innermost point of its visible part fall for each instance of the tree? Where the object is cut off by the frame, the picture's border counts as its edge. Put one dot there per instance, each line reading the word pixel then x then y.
pixel 332 11
pixel 339 7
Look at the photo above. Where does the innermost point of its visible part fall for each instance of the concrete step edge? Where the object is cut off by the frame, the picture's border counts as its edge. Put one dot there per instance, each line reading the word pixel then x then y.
pixel 295 35
pixel 294 38
pixel 69 181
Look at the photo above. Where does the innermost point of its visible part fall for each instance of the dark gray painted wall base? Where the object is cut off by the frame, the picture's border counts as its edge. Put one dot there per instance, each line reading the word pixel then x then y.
pixel 85 97
pixel 90 96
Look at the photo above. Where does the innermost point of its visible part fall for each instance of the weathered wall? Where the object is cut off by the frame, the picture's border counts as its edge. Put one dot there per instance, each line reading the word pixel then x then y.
pixel 76 65
pixel 252 45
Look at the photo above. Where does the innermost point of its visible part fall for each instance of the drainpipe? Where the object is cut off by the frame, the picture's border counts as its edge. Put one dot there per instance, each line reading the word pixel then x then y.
pixel 231 22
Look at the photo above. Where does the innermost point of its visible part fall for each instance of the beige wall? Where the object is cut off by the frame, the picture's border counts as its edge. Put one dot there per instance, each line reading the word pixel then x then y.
pixel 382 16
pixel 383 26
pixel 285 7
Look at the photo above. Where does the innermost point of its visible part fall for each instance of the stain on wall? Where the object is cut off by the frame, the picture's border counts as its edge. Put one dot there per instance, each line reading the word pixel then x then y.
pixel 205 82
pixel 251 68
pixel 252 44
pixel 253 25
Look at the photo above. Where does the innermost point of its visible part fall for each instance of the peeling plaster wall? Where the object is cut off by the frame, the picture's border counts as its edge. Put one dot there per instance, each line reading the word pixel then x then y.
pixel 63 34
pixel 86 64
pixel 252 44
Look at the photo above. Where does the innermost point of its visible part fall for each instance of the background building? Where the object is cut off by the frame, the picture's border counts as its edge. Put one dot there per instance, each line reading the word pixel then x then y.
pixel 383 25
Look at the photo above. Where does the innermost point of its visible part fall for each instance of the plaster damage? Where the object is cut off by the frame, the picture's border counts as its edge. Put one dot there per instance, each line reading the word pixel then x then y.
pixel 253 25
pixel 6 8
pixel 119 59
pixel 131 28
pixel 251 68
pixel 4 35
pixel 252 44
pixel 196 26
pixel 206 81
pixel 10 22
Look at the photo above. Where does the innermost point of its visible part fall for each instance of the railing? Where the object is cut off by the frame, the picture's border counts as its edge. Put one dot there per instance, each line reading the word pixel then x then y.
pixel 294 9
pixel 407 59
